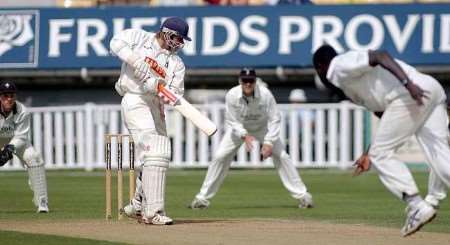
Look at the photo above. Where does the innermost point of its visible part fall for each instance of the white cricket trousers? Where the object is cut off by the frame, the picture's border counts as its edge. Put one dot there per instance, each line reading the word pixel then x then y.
pixel 402 119
pixel 228 148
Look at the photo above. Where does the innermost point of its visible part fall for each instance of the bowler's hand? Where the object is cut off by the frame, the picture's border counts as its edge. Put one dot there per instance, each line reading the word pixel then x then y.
pixel 416 92
pixel 362 164
pixel 248 140
pixel 266 151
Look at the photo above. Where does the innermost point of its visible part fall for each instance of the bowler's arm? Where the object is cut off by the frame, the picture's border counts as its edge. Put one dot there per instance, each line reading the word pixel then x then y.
pixel 384 59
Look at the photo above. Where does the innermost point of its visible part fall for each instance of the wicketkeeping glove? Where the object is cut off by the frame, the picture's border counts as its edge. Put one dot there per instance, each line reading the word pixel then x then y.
pixel 6 154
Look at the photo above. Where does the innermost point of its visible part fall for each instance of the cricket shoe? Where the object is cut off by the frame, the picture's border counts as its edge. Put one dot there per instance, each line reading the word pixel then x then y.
pixel 131 211
pixel 43 205
pixel 158 219
pixel 199 204
pixel 306 201
pixel 417 217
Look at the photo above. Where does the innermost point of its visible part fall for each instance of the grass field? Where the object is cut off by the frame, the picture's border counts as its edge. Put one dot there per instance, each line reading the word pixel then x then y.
pixel 246 194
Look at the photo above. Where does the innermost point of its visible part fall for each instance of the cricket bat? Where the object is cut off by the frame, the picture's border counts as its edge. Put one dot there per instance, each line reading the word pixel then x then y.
pixel 180 104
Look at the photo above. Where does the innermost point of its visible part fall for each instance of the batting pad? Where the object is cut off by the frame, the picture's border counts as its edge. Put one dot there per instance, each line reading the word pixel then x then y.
pixel 153 185
pixel 155 149
pixel 138 194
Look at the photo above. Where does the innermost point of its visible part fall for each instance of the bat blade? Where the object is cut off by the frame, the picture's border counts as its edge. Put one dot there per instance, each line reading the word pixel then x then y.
pixel 189 111
pixel 196 117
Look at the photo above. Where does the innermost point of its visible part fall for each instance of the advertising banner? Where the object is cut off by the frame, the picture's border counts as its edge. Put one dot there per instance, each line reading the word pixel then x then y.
pixel 56 38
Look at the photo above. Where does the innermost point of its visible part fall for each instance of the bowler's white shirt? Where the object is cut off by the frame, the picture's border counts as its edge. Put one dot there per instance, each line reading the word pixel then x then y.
pixel 146 44
pixel 246 115
pixel 372 87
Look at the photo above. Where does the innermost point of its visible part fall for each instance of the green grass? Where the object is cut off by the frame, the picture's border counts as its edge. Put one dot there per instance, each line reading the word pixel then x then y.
pixel 339 198
pixel 13 237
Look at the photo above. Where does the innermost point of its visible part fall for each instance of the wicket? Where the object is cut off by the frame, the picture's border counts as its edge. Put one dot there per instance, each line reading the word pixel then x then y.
pixel 108 175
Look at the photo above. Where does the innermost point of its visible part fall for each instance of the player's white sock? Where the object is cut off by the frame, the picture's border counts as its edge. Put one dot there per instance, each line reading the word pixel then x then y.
pixel 413 200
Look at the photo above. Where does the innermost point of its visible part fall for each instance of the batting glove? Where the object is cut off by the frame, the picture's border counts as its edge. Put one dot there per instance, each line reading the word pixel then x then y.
pixel 151 84
pixel 142 70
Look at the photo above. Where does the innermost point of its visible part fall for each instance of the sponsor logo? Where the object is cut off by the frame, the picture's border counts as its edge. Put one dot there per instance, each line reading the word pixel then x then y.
pixel 19 38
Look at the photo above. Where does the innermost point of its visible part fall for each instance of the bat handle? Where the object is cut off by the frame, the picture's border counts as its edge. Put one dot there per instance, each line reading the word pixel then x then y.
pixel 160 87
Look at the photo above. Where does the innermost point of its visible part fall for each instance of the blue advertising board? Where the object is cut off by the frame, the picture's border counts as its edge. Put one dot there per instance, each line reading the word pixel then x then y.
pixel 56 38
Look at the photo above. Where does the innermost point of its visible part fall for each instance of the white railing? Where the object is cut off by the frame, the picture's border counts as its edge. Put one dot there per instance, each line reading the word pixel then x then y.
pixel 73 136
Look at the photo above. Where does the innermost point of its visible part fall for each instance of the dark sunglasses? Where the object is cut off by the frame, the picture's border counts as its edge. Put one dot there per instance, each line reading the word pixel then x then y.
pixel 248 80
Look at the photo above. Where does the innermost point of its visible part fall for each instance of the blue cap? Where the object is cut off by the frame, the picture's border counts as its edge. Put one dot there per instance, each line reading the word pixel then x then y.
pixel 247 73
pixel 178 25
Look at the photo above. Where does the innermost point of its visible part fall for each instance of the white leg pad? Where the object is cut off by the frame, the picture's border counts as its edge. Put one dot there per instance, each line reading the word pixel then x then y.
pixel 156 150
pixel 154 182
pixel 36 175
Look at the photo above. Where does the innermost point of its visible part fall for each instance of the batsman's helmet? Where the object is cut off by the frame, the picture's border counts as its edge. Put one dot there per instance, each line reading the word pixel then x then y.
pixel 174 31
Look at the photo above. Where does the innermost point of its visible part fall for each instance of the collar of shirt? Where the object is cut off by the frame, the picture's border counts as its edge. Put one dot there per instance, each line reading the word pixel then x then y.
pixel 256 93
pixel 158 49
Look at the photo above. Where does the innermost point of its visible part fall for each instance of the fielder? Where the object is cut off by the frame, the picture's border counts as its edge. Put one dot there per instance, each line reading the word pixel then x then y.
pixel 14 140
pixel 408 103
pixel 251 114
pixel 143 109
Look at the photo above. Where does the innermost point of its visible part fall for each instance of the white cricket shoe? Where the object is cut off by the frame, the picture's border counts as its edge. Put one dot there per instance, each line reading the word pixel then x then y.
pixel 131 211
pixel 417 217
pixel 158 219
pixel 43 205
pixel 306 201
pixel 199 204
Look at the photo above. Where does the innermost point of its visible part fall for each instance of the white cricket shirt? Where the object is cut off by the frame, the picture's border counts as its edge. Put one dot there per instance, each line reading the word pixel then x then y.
pixel 253 114
pixel 145 44
pixel 371 87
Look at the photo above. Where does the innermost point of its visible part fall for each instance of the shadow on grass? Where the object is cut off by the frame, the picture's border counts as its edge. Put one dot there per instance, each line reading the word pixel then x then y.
pixel 24 211
pixel 201 221
pixel 264 207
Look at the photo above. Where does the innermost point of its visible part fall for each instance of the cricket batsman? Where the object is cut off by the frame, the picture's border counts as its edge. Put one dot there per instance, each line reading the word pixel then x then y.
pixel 409 103
pixel 143 109
pixel 251 114
pixel 14 140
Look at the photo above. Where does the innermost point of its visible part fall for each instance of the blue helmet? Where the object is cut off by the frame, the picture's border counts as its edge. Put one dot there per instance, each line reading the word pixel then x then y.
pixel 177 25
pixel 174 31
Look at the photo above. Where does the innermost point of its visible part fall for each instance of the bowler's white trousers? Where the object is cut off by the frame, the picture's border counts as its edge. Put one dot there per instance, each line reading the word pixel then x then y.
pixel 402 119
pixel 228 147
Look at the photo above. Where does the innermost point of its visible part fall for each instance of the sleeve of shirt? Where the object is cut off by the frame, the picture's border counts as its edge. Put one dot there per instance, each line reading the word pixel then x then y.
pixel 21 131
pixel 123 43
pixel 348 65
pixel 177 82
pixel 232 116
pixel 274 122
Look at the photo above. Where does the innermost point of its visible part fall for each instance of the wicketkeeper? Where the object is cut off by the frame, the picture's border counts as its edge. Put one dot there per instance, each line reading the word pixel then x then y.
pixel 14 140
pixel 252 114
